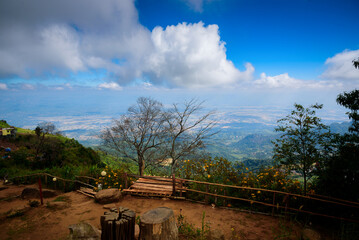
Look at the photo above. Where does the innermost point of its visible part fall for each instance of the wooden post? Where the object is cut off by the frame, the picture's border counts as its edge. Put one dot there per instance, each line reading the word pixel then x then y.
pixel 173 185
pixel 206 197
pixel 118 224
pixel 125 180
pixel 64 186
pixel 40 190
pixel 181 186
pixel 224 200
pixel 216 199
pixel 45 179
pixel 158 224
pixel 273 204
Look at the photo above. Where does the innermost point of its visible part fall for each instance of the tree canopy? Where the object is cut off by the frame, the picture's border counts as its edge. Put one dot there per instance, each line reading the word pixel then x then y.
pixel 303 142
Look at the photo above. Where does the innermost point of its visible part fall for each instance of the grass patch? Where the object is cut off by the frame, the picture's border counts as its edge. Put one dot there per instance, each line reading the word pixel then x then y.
pixel 62 199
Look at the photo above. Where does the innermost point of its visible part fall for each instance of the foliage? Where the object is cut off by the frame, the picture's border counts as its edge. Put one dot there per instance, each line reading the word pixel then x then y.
pixel 114 178
pixel 350 100
pixel 339 176
pixel 218 170
pixel 304 141
pixel 55 151
pixel 189 231
pixel 356 63
pixel 4 124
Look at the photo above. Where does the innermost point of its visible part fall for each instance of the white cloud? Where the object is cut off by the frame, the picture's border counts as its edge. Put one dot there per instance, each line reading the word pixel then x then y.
pixel 61 37
pixel 26 86
pixel 110 85
pixel 285 81
pixel 196 5
pixel 340 66
pixel 3 86
pixel 192 55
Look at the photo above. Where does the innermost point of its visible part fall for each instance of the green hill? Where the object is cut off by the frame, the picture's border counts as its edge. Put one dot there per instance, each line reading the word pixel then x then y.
pixel 32 152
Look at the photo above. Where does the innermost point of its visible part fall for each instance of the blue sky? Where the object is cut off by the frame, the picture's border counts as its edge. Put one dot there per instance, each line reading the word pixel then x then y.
pixel 228 52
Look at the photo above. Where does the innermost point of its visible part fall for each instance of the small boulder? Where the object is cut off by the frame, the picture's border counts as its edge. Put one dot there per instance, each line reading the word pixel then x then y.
pixel 310 234
pixel 83 231
pixel 29 193
pixel 57 205
pixel 108 196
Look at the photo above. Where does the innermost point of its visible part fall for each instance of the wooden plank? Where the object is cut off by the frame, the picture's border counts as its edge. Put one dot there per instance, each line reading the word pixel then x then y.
pixel 89 195
pixel 147 191
pixel 139 185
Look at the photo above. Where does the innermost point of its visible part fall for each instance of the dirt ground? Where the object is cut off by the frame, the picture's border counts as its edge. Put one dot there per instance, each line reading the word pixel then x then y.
pixel 45 223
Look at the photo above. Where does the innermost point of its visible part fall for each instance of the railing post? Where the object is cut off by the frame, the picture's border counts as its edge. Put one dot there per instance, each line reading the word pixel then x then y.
pixel 125 180
pixel 273 204
pixel 224 200
pixel 45 179
pixel 173 185
pixel 40 190
pixel 206 197
pixel 181 186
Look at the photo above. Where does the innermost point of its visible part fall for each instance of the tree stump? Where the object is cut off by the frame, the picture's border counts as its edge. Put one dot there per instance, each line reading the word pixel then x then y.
pixel 158 224
pixel 118 224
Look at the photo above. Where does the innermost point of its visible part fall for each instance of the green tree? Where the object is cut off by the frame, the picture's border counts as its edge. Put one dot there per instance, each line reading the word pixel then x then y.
pixel 339 176
pixel 356 63
pixel 304 141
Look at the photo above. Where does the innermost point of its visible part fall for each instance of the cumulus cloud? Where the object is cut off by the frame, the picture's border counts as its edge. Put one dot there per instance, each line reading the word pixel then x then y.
pixel 192 55
pixel 3 86
pixel 285 81
pixel 110 85
pixel 340 66
pixel 43 37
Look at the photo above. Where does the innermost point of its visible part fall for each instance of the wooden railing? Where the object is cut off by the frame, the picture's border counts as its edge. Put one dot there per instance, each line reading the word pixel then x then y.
pixel 279 200
pixel 48 180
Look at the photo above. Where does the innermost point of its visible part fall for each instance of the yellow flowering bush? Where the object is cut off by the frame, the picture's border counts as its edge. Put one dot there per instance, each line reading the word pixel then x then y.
pixel 113 178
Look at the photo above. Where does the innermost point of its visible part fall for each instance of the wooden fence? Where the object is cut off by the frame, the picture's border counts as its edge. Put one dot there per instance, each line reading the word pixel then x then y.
pixel 54 181
pixel 208 192
pixel 289 202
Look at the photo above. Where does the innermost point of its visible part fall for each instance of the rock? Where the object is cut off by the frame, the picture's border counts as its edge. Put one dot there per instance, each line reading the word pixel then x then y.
pixel 310 234
pixel 216 235
pixel 83 231
pixel 57 205
pixel 29 193
pixel 108 196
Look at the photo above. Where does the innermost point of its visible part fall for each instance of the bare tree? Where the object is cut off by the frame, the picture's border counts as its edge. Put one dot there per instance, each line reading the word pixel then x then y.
pixel 185 132
pixel 138 133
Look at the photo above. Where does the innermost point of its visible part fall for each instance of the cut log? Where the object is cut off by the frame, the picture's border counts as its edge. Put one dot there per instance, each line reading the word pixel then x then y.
pixel 158 224
pixel 118 224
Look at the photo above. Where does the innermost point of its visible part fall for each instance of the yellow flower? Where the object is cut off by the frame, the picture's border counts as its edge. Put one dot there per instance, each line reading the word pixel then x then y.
pixel 209 176
pixel 246 168
pixel 258 192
